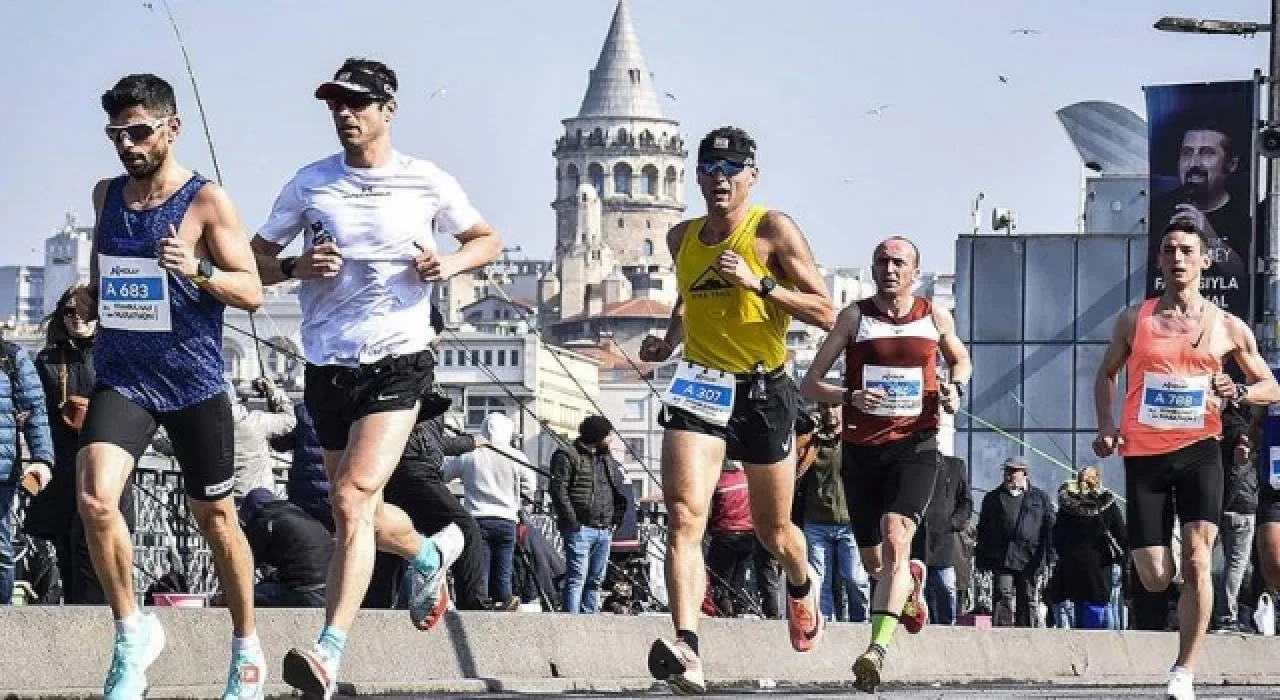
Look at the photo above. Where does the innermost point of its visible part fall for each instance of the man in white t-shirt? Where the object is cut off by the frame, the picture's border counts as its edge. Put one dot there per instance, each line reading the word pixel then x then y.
pixel 367 271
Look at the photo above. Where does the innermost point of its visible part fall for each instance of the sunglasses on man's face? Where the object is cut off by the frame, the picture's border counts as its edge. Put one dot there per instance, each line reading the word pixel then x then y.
pixel 727 168
pixel 70 311
pixel 353 102
pixel 136 132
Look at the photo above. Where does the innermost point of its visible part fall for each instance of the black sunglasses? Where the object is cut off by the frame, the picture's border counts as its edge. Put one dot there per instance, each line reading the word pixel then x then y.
pixel 352 101
pixel 70 311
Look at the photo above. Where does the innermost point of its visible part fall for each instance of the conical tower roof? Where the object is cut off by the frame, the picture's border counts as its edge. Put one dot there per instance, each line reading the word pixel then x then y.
pixel 620 85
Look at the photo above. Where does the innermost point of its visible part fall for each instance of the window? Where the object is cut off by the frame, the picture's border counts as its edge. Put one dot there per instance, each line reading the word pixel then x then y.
pixel 480 406
pixel 634 409
pixel 595 173
pixel 515 358
pixel 502 358
pixel 622 223
pixel 488 358
pixel 649 181
pixel 572 180
pixel 622 178
pixel 669 182
pixel 475 358
pixel 448 358
pixel 635 449
pixel 646 248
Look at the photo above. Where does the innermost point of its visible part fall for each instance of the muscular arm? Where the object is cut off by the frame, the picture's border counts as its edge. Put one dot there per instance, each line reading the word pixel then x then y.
pixel 953 350
pixel 809 300
pixel 481 245
pixel 265 255
pixel 235 280
pixel 1104 386
pixel 1263 389
pixel 675 327
pixel 814 386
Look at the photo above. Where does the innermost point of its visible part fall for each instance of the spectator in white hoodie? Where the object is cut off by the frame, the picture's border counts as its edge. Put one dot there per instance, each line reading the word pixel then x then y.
pixel 493 482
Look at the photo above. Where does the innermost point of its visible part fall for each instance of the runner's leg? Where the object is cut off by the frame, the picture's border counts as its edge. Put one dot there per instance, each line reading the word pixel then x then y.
pixel 691 465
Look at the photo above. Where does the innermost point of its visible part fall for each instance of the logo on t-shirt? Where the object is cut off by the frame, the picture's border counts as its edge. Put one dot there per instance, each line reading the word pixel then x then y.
pixel 710 282
pixel 366 191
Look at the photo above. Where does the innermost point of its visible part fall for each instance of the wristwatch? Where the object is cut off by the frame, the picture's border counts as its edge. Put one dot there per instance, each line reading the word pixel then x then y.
pixel 1242 390
pixel 203 272
pixel 767 285
pixel 287 266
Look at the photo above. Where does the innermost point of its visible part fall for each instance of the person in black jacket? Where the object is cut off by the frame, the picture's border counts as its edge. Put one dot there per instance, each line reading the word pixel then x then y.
pixel 66 371
pixel 417 486
pixel 946 517
pixel 589 502
pixel 1014 530
pixel 291 547
pixel 1089 538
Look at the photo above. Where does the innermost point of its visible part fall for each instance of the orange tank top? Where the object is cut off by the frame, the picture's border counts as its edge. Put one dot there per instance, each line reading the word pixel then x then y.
pixel 1169 402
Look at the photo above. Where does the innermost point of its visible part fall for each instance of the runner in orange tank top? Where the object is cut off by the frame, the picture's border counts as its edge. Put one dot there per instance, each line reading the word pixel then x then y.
pixel 1172 350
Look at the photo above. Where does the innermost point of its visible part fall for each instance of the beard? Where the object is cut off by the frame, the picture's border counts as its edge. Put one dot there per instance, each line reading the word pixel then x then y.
pixel 143 166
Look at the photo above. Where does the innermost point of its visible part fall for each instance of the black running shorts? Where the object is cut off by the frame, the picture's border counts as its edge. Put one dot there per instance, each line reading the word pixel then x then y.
pixel 1187 482
pixel 202 437
pixel 337 397
pixel 895 477
pixel 758 432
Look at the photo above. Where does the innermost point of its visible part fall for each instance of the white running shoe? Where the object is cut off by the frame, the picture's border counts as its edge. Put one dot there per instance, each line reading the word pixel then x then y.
pixel 1181 685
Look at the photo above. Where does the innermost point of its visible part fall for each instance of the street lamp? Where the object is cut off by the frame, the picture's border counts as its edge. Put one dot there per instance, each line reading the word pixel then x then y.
pixel 1271 310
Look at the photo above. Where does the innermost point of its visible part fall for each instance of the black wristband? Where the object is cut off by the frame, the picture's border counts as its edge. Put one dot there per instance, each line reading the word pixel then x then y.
pixel 287 266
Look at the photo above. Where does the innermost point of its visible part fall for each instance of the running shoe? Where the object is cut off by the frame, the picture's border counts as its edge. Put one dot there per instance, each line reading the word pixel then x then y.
pixel 866 669
pixel 428 591
pixel 804 619
pixel 678 666
pixel 1181 685
pixel 134 653
pixel 312 672
pixel 247 679
pixel 915 614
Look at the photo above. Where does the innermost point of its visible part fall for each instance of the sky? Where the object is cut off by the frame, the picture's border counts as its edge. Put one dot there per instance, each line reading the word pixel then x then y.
pixel 799 76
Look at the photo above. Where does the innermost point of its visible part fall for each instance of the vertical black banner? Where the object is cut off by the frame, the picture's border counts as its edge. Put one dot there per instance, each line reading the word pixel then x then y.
pixel 1201 160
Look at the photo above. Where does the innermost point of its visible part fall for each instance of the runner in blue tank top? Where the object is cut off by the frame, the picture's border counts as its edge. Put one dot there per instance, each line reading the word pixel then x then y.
pixel 169 254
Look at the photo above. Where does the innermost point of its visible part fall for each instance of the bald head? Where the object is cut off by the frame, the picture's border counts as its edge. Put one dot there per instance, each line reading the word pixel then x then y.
pixel 897 246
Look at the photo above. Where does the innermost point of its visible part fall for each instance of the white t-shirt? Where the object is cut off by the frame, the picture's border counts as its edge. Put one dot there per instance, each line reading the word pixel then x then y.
pixel 376 306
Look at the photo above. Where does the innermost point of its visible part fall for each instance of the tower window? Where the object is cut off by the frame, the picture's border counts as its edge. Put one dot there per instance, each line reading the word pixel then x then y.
pixel 622 223
pixel 622 178
pixel 646 248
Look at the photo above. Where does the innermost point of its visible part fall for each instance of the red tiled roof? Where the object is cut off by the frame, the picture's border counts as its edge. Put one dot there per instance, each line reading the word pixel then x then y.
pixel 631 308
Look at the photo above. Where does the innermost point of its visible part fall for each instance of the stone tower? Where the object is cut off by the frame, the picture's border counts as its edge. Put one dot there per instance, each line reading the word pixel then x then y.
pixel 621 145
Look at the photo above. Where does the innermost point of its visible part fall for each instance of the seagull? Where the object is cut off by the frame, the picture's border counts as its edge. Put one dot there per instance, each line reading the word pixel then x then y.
pixel 878 110
pixel 1003 79
pixel 670 96
pixel 440 92
pixel 1025 32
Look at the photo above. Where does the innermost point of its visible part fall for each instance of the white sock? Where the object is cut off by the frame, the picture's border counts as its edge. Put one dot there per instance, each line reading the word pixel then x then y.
pixel 1180 669
pixel 129 625
pixel 249 643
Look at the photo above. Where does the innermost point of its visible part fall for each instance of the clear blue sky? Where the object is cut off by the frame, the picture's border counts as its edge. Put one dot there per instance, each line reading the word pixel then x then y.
pixel 798 75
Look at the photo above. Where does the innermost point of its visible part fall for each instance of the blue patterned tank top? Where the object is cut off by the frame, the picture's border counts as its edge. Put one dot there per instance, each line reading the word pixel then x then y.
pixel 162 354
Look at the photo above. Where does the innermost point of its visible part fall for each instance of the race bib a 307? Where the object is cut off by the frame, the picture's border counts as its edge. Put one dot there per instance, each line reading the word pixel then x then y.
pixel 706 393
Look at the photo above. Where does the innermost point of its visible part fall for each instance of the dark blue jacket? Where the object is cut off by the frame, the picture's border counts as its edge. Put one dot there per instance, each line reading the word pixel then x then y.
pixel 308 484
pixel 27 398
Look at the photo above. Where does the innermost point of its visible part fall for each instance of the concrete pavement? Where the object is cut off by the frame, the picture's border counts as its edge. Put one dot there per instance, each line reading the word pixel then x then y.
pixel 65 651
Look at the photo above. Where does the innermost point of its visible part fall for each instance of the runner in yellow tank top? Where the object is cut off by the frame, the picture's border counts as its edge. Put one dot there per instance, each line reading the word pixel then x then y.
pixel 743 272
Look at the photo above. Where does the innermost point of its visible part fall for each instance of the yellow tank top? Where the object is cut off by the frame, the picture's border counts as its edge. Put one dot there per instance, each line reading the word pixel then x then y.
pixel 727 327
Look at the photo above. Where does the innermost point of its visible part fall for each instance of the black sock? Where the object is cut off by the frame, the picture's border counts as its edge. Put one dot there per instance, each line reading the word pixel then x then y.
pixel 800 591
pixel 689 638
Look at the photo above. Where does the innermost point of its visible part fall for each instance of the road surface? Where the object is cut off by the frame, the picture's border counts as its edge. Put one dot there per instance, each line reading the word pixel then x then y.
pixel 927 693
